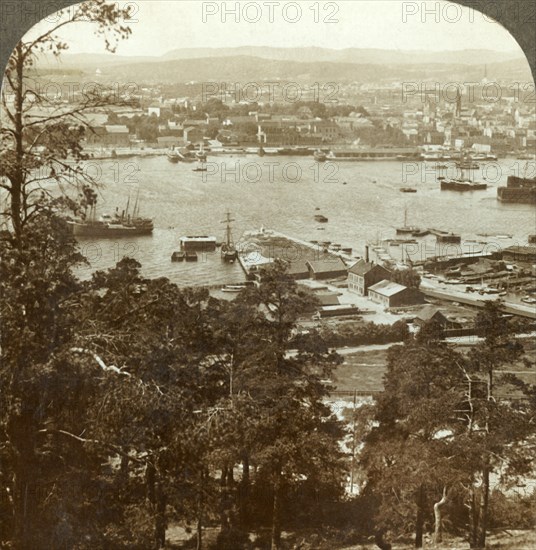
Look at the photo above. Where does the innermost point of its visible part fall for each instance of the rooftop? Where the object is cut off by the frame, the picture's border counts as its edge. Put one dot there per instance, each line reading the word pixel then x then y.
pixel 327 265
pixel 387 288
pixel 362 267
pixel 428 312
pixel 116 129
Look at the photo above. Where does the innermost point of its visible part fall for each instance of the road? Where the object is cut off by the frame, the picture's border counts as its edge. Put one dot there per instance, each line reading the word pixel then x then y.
pixel 435 289
pixel 460 340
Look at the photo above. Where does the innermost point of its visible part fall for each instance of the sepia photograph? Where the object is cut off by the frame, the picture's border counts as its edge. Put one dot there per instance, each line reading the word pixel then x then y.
pixel 268 275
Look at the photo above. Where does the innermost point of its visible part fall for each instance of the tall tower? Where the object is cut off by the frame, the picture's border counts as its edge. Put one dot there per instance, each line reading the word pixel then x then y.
pixel 458 111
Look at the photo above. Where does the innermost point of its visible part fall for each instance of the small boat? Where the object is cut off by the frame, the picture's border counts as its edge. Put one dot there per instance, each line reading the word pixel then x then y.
pixel 408 190
pixel 467 165
pixel 320 156
pixel 320 228
pixel 173 156
pixel 190 256
pixel 233 288
pixel 321 219
pixel 178 256
pixel 406 229
pixel 200 168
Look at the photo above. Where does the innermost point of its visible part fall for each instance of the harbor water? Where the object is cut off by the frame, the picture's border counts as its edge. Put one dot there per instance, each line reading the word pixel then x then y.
pixel 362 201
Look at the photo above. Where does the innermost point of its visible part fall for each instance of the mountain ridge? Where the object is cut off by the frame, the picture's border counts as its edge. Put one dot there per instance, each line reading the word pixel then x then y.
pixel 304 54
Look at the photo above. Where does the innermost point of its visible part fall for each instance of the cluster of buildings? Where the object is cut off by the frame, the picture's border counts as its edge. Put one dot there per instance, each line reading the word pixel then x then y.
pixel 373 280
pixel 471 119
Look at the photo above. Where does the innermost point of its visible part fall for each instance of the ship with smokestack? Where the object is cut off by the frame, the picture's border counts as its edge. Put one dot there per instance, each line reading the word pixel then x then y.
pixel 119 224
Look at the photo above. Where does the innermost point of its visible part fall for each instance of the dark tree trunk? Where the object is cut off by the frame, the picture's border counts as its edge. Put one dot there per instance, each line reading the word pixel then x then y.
pixel 474 517
pixel 21 429
pixel 483 511
pixel 160 516
pixel 17 178
pixel 243 492
pixel 276 512
pixel 419 520
pixel 380 541
pixel 124 470
pixel 200 505
pixel 150 478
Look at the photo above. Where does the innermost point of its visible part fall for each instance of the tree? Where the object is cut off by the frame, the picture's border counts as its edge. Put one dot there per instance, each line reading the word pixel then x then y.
pixel 406 458
pixel 442 430
pixel 497 429
pixel 406 277
pixel 292 432
pixel 37 147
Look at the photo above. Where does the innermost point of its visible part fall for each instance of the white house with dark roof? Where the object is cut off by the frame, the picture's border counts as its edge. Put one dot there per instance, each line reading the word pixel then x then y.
pixel 389 294
pixel 363 275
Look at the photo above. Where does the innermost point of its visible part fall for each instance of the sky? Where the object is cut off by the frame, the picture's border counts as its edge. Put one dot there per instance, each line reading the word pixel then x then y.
pixel 159 26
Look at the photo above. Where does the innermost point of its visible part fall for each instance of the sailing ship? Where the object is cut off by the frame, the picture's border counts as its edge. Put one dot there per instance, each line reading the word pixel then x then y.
pixel 228 249
pixel 406 229
pixel 117 225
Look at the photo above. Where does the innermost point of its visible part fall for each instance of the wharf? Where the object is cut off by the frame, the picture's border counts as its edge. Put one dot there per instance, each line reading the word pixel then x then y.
pixel 266 245
pixel 317 248
pixel 463 298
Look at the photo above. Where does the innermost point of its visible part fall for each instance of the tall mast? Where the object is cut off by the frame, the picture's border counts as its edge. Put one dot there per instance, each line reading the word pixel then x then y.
pixel 136 206
pixel 228 228
pixel 128 204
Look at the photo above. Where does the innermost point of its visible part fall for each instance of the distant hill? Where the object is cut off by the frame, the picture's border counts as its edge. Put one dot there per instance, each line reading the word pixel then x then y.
pixel 349 55
pixel 304 55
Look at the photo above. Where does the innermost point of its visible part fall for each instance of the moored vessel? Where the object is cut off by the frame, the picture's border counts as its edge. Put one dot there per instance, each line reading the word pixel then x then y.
pixel 117 225
pixel 518 190
pixel 228 249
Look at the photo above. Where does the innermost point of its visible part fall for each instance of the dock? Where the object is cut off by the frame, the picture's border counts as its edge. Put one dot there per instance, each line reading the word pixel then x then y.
pixel 445 236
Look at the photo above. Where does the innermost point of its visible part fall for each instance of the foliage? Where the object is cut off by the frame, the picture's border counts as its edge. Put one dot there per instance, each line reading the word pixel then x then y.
pixel 357 334
pixel 406 277
pixel 438 431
